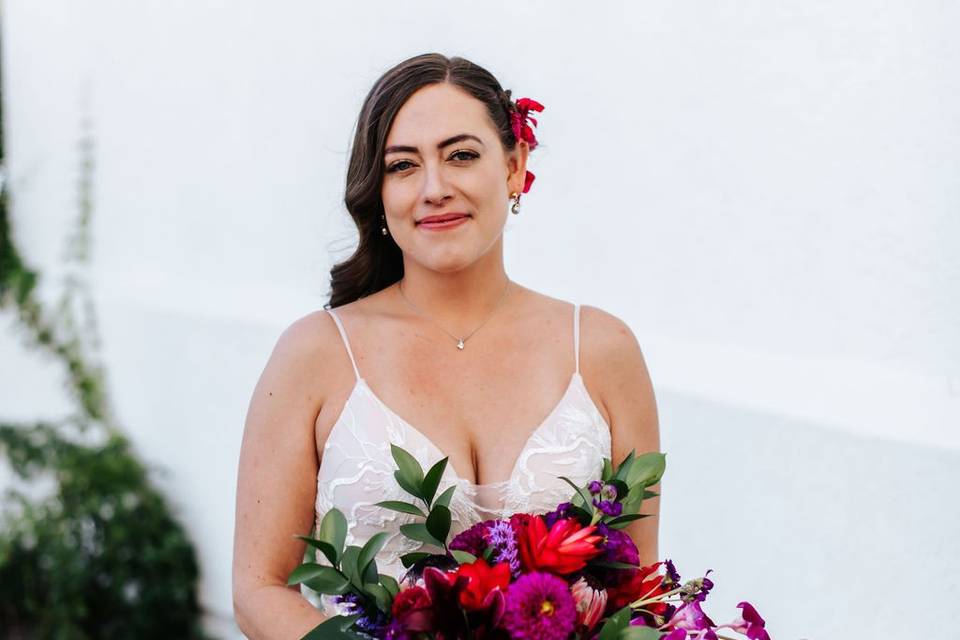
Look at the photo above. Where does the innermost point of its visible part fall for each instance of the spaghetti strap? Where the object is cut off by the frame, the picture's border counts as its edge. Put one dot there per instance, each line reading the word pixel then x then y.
pixel 576 335
pixel 346 343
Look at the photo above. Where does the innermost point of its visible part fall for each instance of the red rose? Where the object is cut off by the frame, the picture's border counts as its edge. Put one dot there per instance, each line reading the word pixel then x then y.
pixel 411 608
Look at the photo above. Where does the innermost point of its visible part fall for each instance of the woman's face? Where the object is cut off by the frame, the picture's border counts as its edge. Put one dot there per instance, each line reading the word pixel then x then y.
pixel 443 156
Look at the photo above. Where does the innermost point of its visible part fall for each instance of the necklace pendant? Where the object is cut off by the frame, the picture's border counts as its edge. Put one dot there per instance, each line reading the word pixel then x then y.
pixel 460 344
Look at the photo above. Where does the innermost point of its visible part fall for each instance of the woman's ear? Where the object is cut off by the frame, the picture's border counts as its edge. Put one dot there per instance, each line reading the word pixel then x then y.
pixel 517 167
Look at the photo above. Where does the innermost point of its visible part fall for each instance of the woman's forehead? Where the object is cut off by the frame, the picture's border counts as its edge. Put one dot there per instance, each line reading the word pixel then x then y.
pixel 435 113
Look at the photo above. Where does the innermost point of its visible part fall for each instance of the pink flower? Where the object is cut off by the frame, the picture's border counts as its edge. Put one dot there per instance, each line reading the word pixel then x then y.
pixel 749 624
pixel 590 603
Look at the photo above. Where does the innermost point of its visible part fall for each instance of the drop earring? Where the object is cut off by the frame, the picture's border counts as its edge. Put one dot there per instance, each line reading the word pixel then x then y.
pixel 383 224
pixel 515 207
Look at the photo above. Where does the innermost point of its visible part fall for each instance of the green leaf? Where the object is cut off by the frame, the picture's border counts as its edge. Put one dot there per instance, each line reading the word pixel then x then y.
pixel 622 525
pixel 390 584
pixel 463 557
pixel 409 559
pixel 348 565
pixel 438 523
pixel 305 571
pixel 370 573
pixel 370 550
pixel 330 582
pixel 418 531
pixel 409 474
pixel 636 632
pixel 432 480
pixel 607 470
pixel 624 466
pixel 586 501
pixel 646 470
pixel 488 554
pixel 581 514
pixel 616 623
pixel 402 507
pixel 650 494
pixel 325 547
pixel 630 517
pixel 380 595
pixel 335 628
pixel 333 530
pixel 444 499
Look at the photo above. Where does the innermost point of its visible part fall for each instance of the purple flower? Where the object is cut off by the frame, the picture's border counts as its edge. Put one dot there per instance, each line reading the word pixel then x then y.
pixel 472 540
pixel 672 577
pixel 595 487
pixel 563 510
pixel 539 607
pixel 691 617
pixel 676 634
pixel 750 623
pixel 501 537
pixel 608 492
pixel 609 508
pixel 618 547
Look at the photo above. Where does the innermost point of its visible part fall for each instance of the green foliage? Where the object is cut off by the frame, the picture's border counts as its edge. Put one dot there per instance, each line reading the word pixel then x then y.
pixel 99 558
pixel 99 554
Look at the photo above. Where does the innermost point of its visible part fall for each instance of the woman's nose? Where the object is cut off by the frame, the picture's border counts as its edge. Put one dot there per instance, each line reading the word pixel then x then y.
pixel 435 185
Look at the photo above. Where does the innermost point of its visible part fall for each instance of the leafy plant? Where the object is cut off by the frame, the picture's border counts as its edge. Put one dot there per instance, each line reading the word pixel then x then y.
pixel 98 555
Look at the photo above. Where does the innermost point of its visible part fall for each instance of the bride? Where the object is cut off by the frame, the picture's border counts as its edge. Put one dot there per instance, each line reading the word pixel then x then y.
pixel 429 345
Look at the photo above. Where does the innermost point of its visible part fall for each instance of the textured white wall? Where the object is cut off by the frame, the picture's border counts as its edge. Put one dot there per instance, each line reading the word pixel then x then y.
pixel 766 192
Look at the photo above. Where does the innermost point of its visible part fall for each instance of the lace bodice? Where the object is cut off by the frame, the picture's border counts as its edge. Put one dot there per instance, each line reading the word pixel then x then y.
pixel 356 468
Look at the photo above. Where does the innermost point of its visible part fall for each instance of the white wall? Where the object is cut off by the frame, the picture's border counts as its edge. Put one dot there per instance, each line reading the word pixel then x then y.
pixel 766 192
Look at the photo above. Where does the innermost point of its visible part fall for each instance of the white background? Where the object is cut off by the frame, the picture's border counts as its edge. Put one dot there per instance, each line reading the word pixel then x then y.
pixel 767 193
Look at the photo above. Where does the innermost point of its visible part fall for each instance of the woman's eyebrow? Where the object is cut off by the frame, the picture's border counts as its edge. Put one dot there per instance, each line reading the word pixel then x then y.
pixel 445 143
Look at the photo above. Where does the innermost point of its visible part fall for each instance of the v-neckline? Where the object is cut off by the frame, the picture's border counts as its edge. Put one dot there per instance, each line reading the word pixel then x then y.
pixel 513 470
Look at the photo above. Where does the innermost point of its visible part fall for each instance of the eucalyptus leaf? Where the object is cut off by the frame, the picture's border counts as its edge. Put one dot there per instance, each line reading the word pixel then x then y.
pixel 325 547
pixel 390 584
pixel 305 571
pixel 348 565
pixel 329 581
pixel 409 473
pixel 432 480
pixel 418 531
pixel 409 559
pixel 402 507
pixel 335 628
pixel 333 530
pixel 444 498
pixel 615 624
pixel 438 523
pixel 380 595
pixel 370 550
pixel 636 632
pixel 463 557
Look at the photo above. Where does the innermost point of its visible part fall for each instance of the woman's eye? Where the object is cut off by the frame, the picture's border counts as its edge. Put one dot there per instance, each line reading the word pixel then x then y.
pixel 470 155
pixel 396 166
pixel 460 156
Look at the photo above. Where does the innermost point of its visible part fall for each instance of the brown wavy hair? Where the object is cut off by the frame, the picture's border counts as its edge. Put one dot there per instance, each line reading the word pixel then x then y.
pixel 377 261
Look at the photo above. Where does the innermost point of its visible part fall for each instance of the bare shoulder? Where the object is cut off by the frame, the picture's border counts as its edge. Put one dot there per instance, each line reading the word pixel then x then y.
pixel 299 365
pixel 612 359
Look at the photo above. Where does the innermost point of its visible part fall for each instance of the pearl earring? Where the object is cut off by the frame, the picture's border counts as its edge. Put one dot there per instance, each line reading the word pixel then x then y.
pixel 515 207
pixel 383 226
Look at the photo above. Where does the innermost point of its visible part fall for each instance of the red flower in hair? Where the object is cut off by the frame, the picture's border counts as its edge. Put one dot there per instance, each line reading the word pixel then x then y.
pixel 523 131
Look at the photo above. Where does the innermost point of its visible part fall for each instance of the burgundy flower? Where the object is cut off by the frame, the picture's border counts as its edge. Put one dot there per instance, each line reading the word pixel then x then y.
pixel 523 131
pixel 472 540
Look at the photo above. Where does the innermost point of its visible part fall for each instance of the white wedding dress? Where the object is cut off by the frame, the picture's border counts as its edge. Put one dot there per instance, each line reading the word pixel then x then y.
pixel 356 468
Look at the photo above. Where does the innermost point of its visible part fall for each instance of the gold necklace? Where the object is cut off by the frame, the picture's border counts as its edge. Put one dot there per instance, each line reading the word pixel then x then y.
pixel 460 341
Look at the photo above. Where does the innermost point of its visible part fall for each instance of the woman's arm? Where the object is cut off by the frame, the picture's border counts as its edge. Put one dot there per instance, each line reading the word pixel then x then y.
pixel 616 362
pixel 276 487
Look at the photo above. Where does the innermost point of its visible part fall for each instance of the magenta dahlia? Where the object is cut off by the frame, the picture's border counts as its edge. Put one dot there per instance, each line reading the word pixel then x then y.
pixel 539 607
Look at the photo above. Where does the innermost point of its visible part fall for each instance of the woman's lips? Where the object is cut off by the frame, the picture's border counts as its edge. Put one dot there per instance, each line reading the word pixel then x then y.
pixel 443 224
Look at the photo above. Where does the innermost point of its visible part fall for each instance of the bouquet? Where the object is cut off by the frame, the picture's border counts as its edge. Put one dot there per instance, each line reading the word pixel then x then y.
pixel 568 574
